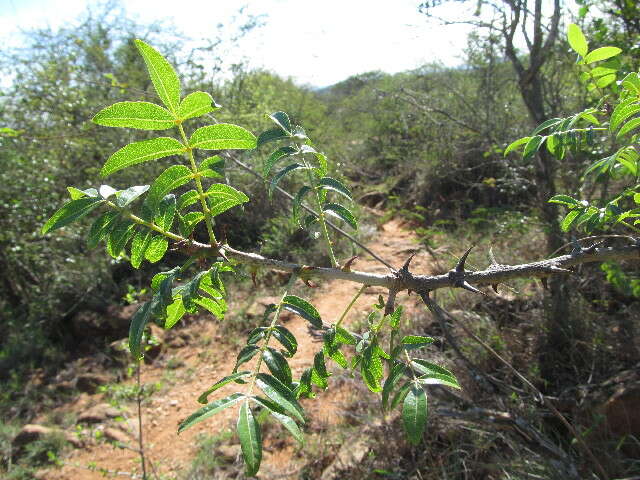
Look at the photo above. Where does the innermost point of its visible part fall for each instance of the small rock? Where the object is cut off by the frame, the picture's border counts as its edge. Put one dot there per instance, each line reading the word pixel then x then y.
pixel 114 435
pixel 228 453
pixel 89 382
pixel 173 403
pixel 98 413
pixel 32 432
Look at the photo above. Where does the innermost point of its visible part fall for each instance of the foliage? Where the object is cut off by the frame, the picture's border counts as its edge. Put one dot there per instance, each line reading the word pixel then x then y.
pixel 143 228
pixel 612 123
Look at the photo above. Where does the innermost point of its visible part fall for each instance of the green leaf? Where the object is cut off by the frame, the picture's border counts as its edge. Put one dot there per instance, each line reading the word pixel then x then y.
pixel 166 212
pixel 280 394
pixel 283 173
pixel 577 40
pixel 172 178
pixel 282 120
pixel 394 318
pixel 163 76
pixel 290 425
pixel 70 212
pixel 157 248
pixel 430 368
pixel 620 113
pixel 552 122
pixel 139 152
pixel 190 291
pixel 140 115
pixel 101 228
pixel 223 136
pixel 139 245
pixel 203 398
pixel 343 336
pixel 119 236
pixel 196 104
pixel 212 167
pixel 532 146
pixel 209 410
pixel 286 339
pixel 334 353
pixel 342 213
pixel 439 379
pixel 328 183
pixel 412 342
pixel 222 197
pixel 215 307
pixel 414 414
pixel 276 156
pixel 187 199
pixel 601 53
pixel 564 200
pixel 272 135
pixel 304 387
pixel 126 197
pixel 632 83
pixel 400 395
pixel 569 219
pixel 318 380
pixel 138 323
pixel 189 222
pixel 277 365
pixel 516 144
pixel 297 204
pixel 319 366
pixel 76 193
pixel 303 308
pixel 250 440
pixel 175 311
pixel 246 354
pixel 629 126
pixel 605 81
pixel 397 372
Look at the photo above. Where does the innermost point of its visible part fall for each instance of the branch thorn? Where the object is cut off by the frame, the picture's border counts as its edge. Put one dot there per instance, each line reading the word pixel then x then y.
pixel 463 259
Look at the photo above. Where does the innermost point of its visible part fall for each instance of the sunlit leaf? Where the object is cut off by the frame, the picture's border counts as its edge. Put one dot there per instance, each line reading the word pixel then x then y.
pixel 140 115
pixel 577 40
pixel 196 104
pixel 163 76
pixel 222 136
pixel 139 152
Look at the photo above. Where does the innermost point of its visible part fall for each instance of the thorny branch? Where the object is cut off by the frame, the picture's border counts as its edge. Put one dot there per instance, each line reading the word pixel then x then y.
pixel 459 277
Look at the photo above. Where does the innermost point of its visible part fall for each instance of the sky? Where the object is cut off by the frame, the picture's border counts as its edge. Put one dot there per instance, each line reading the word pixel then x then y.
pixel 316 42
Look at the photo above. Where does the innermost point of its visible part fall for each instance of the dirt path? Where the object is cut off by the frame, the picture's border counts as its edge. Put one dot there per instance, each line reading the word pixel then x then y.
pixel 172 454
